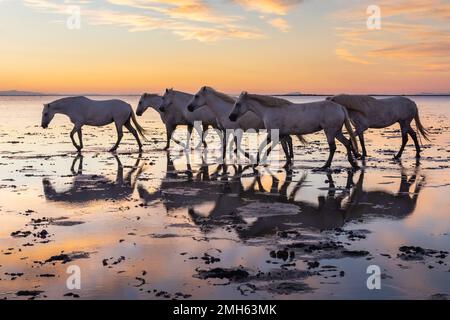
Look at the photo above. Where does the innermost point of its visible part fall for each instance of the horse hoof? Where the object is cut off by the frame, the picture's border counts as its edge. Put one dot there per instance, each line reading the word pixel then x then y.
pixel 418 156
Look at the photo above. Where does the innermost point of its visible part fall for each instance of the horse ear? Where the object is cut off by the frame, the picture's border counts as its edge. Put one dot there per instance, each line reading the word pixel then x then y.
pixel 204 89
pixel 167 90
pixel 245 93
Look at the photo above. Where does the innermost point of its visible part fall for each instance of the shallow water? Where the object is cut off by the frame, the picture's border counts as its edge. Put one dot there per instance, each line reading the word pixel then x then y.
pixel 151 227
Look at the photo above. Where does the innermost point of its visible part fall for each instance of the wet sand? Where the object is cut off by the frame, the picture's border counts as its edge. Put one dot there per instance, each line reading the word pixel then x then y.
pixel 151 226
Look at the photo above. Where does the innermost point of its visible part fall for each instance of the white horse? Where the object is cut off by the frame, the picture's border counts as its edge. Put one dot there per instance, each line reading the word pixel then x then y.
pixel 171 118
pixel 367 112
pixel 221 105
pixel 175 102
pixel 149 100
pixel 83 111
pixel 300 119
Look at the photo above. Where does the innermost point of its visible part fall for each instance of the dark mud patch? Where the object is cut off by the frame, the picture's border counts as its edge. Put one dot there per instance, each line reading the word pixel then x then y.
pixel 61 221
pixel 238 274
pixel 415 253
pixel 65 223
pixel 209 259
pixel 110 262
pixel 29 293
pixel 166 235
pixel 20 234
pixel 287 288
pixel 68 257
pixel 355 253
pixel 352 235
pixel 325 250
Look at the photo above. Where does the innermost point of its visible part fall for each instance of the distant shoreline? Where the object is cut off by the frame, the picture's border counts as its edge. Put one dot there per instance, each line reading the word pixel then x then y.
pixel 275 95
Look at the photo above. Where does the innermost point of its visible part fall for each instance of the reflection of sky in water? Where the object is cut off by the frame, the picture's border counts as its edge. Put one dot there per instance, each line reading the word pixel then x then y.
pixel 204 211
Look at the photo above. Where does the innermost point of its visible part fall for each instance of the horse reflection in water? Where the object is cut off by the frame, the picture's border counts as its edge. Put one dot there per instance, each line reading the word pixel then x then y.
pixel 242 202
pixel 87 188
pixel 334 210
pixel 184 188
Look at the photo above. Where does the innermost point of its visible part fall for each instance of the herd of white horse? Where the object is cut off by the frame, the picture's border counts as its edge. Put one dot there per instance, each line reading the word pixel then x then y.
pixel 231 116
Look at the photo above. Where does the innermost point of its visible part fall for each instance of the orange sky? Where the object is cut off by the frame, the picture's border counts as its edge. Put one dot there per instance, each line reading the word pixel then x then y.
pixel 267 46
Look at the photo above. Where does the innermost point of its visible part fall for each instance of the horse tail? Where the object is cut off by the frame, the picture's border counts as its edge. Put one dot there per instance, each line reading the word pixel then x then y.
pixel 350 131
pixel 139 129
pixel 422 130
pixel 302 139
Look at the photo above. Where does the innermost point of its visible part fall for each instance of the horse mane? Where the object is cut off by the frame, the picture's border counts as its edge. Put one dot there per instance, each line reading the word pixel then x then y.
pixel 150 95
pixel 354 102
pixel 269 101
pixel 51 104
pixel 182 93
pixel 221 95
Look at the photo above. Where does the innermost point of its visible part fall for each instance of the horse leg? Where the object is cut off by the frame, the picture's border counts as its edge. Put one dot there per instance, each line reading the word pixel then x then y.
pixel 134 133
pixel 262 146
pixel 169 131
pixel 291 147
pixel 237 142
pixel 80 137
pixel 224 138
pixel 363 146
pixel 238 136
pixel 170 136
pixel 188 142
pixel 404 130
pixel 413 135
pixel 119 137
pixel 332 146
pixel 203 136
pixel 72 134
pixel 285 146
pixel 359 130
pixel 348 145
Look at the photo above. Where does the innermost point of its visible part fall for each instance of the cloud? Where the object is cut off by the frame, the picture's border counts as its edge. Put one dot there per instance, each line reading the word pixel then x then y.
pixel 280 24
pixel 413 50
pixel 279 7
pixel 192 10
pixel 415 33
pixel 346 55
pixel 189 19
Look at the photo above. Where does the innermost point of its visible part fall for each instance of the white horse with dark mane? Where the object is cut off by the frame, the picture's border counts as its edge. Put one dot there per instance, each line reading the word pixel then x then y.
pixel 221 105
pixel 300 119
pixel 367 112
pixel 149 100
pixel 174 104
pixel 171 118
pixel 83 111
